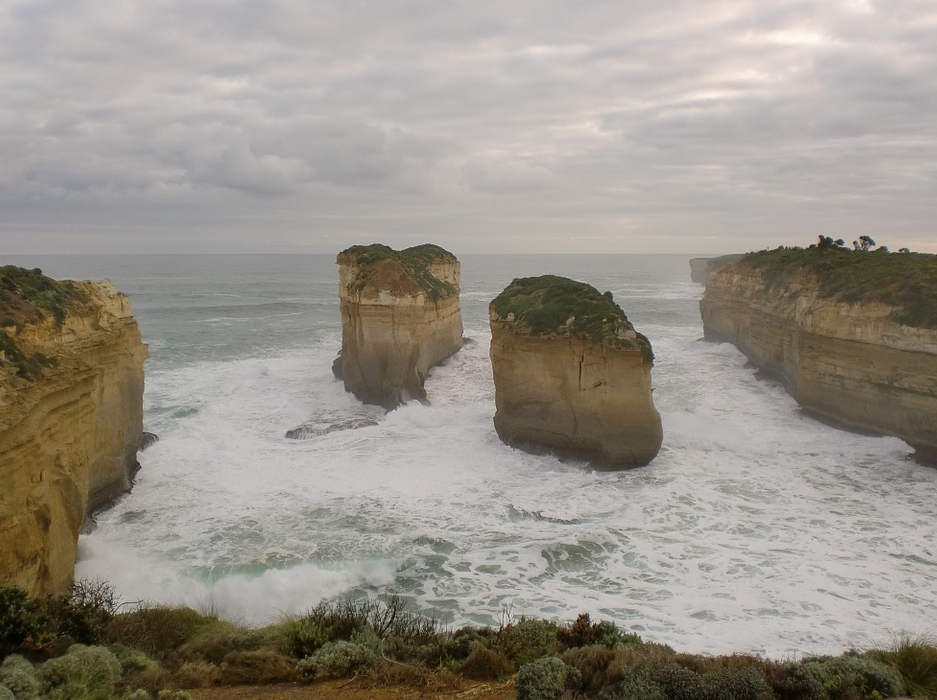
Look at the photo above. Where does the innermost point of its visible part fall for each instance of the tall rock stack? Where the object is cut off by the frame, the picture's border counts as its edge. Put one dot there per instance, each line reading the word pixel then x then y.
pixel 400 317
pixel 71 418
pixel 571 374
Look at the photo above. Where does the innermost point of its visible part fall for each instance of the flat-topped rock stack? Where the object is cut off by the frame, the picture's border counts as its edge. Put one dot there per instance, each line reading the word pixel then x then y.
pixel 571 374
pixel 400 317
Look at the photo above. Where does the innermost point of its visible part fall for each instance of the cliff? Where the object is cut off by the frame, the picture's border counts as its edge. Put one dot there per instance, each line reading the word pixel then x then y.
pixel 702 268
pixel 71 414
pixel 571 374
pixel 852 335
pixel 400 317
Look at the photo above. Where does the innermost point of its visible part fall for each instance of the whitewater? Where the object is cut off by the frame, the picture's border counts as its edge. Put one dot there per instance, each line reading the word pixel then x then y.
pixel 756 529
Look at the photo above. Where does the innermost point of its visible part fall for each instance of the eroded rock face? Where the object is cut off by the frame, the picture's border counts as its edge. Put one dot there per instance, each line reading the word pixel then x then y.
pixel 571 374
pixel 400 317
pixel 68 435
pixel 849 363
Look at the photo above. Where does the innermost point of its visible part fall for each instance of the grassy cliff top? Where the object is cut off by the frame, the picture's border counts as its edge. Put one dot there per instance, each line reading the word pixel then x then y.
pixel 28 296
pixel 907 281
pixel 415 260
pixel 552 305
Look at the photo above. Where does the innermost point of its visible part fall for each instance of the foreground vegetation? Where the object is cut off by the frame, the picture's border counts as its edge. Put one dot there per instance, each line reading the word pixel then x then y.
pixel 83 648
pixel 904 280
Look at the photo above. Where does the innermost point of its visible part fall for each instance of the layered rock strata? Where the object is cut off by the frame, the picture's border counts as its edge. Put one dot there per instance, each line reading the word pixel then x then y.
pixel 847 361
pixel 400 317
pixel 71 415
pixel 571 374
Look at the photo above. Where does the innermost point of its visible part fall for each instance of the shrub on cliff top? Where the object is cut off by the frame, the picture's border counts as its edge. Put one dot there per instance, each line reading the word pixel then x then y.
pixel 415 260
pixel 27 295
pixel 907 281
pixel 553 305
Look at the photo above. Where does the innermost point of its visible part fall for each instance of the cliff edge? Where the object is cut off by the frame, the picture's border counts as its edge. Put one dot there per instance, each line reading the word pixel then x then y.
pixel 71 418
pixel 571 374
pixel 701 269
pixel 852 335
pixel 400 316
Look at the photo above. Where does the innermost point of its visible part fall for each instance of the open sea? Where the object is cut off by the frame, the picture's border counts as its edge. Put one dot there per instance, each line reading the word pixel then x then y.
pixel 756 529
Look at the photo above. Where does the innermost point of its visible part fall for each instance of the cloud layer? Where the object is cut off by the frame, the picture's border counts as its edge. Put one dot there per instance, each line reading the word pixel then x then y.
pixel 664 126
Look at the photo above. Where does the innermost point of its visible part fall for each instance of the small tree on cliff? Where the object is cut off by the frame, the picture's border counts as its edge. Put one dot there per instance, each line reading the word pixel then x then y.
pixel 864 243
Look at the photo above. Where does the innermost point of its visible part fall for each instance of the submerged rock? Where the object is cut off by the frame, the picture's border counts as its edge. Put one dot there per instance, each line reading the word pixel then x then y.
pixel 324 426
pixel 71 418
pixel 400 317
pixel 571 374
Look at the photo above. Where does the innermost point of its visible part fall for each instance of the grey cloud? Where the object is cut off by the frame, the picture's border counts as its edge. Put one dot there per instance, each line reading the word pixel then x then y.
pixel 650 122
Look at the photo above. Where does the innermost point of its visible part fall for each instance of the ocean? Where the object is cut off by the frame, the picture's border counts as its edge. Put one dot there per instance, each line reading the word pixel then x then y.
pixel 756 529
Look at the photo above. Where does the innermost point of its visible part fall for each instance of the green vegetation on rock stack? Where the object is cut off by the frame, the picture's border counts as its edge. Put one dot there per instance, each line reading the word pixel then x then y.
pixel 553 305
pixel 415 261
pixel 906 281
pixel 27 296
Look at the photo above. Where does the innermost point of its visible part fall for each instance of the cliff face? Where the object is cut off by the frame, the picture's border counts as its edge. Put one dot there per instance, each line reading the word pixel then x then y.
pixel 580 388
pixel 702 268
pixel 400 316
pixel 68 435
pixel 846 362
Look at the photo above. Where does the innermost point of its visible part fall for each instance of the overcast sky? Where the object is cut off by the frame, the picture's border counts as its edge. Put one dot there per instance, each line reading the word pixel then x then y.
pixel 700 126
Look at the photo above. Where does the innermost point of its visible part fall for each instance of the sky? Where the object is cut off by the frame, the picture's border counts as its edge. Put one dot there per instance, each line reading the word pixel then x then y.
pixel 306 126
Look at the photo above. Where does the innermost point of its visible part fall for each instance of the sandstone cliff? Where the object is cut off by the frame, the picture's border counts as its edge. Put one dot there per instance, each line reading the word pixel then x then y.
pixel 571 374
pixel 400 316
pixel 826 333
pixel 71 412
pixel 702 268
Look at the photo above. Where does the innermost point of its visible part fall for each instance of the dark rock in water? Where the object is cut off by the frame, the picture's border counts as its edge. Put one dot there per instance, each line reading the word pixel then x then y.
pixel 148 439
pixel 468 341
pixel 315 428
pixel 337 365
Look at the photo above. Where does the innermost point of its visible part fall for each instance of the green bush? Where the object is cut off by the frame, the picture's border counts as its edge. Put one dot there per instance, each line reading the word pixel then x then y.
pixel 20 620
pixel 132 661
pixel 526 640
pixel 736 684
pixel 679 683
pixel 20 676
pixel 335 660
pixel 795 681
pixel 593 663
pixel 847 677
pixel 173 695
pixel 915 660
pixel 304 637
pixel 634 684
pixel 159 630
pixel 545 679
pixel 6 693
pixel 484 664
pixel 84 673
pixel 257 668
pixel 583 632
pixel 138 694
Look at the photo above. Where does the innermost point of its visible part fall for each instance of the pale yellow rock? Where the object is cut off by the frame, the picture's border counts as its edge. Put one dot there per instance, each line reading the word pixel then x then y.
pixel 68 441
pixel 398 320
pixel 846 362
pixel 575 395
